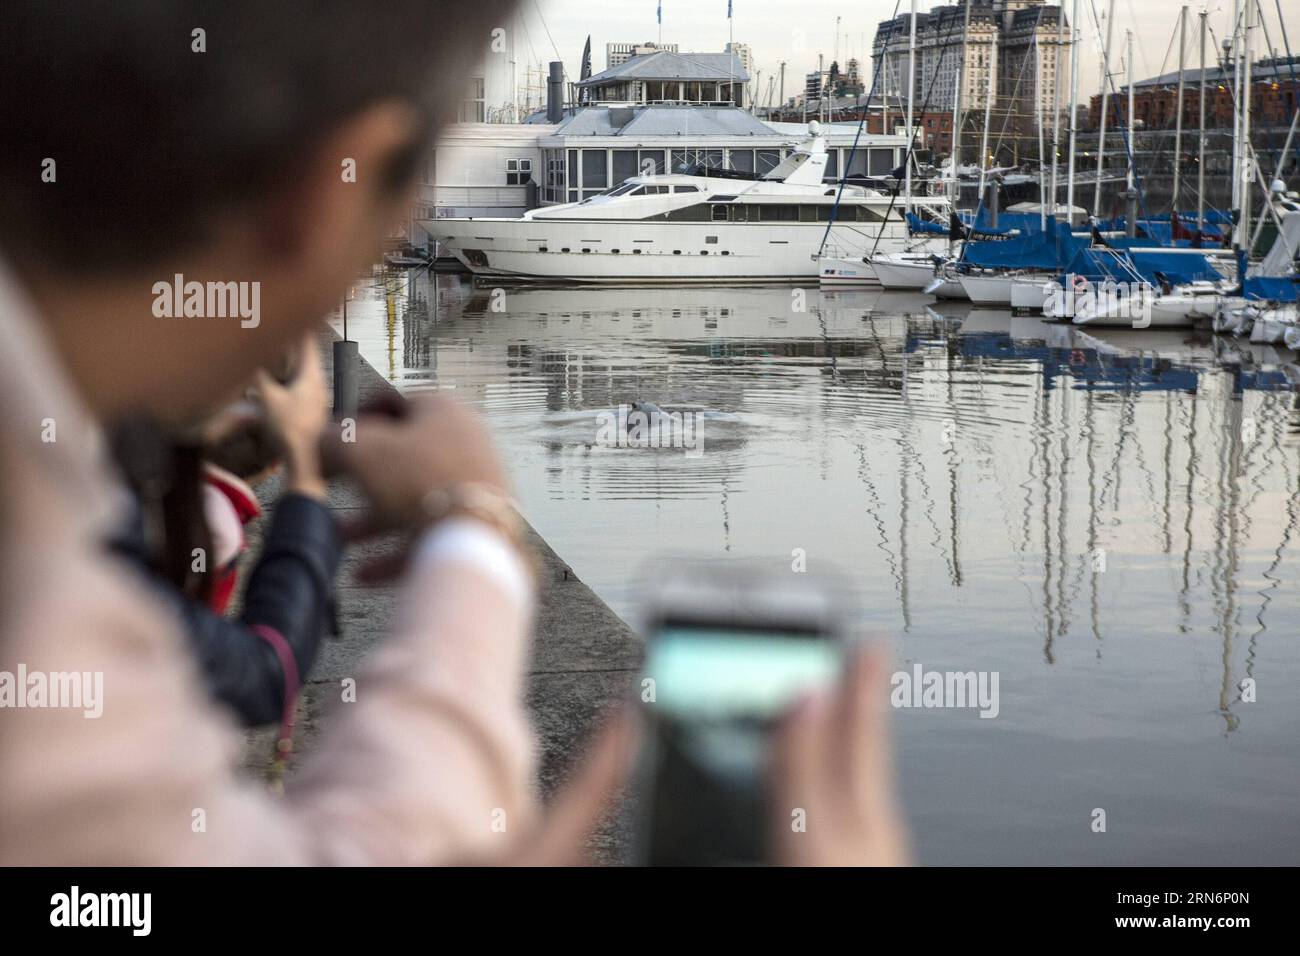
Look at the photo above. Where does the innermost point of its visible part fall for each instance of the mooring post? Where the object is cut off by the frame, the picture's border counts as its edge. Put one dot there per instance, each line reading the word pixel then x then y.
pixel 346 362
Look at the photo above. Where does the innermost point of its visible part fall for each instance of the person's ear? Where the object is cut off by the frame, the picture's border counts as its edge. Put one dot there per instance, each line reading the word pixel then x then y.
pixel 347 196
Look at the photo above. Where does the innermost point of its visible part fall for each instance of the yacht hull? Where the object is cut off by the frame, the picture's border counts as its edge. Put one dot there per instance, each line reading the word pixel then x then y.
pixel 638 251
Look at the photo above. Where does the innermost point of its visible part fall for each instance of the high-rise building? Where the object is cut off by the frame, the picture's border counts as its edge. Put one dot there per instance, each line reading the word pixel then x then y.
pixel 814 83
pixel 743 53
pixel 616 54
pixel 1018 41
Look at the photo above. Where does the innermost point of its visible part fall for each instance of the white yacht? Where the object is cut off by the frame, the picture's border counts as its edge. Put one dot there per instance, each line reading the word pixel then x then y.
pixel 702 226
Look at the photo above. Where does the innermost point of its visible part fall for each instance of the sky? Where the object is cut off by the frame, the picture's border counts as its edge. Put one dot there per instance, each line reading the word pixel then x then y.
pixel 797 30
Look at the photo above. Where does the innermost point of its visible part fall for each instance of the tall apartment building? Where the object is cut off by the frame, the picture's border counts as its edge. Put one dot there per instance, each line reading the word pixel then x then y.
pixel 1016 40
pixel 616 54
pixel 744 54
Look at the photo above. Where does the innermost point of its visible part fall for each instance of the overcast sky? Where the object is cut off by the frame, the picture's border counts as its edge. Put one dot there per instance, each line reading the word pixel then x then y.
pixel 797 30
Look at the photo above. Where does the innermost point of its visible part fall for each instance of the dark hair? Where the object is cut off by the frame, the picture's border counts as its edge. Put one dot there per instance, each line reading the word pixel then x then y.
pixel 152 139
pixel 166 478
pixel 247 451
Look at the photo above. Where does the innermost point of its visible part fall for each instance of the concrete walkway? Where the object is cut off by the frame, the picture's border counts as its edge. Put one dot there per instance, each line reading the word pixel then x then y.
pixel 584 656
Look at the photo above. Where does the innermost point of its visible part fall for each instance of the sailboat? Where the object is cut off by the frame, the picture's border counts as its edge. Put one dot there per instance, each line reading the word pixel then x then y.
pixel 909 268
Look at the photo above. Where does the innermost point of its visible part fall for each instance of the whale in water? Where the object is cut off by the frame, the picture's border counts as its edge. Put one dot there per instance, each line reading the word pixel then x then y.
pixel 649 409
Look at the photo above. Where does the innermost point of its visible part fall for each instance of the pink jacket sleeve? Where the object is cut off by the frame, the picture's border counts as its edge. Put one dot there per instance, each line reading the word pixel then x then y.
pixel 432 763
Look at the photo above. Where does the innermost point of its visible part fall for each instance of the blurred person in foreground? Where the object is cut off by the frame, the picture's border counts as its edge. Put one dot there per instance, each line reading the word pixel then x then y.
pixel 133 156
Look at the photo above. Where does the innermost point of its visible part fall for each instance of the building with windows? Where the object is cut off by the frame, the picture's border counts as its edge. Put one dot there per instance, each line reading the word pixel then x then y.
pixel 1015 43
pixel 1273 98
pixel 616 54
pixel 814 84
pixel 666 77
pixel 743 53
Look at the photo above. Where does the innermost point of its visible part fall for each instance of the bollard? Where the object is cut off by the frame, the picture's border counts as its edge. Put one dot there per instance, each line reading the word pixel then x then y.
pixel 346 362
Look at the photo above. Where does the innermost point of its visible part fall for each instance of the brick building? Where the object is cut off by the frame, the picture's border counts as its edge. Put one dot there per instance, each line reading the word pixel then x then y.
pixel 1273 98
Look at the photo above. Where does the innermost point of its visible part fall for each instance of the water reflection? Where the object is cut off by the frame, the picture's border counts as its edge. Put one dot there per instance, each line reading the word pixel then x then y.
pixel 1107 519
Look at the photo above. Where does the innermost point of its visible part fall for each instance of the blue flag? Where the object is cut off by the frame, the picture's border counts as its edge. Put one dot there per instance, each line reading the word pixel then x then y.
pixel 728 9
pixel 660 12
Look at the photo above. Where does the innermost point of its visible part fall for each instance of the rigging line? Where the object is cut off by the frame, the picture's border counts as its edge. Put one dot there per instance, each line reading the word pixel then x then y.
pixel 545 26
pixel 911 143
pixel 1268 42
pixel 1128 146
pixel 1015 94
pixel 1137 39
pixel 848 162
pixel 1158 151
pixel 528 37
pixel 1249 150
pixel 1286 45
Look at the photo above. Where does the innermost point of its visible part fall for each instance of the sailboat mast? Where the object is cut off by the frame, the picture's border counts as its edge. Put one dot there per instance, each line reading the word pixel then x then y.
pixel 956 106
pixel 1246 159
pixel 1074 107
pixel 911 133
pixel 1105 100
pixel 958 88
pixel 1200 153
pixel 1038 121
pixel 988 114
pixel 884 101
pixel 1132 122
pixel 1178 126
pixel 1056 103
pixel 1232 49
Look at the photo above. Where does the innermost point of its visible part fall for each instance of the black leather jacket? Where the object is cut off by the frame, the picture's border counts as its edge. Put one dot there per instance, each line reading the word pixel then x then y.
pixel 290 589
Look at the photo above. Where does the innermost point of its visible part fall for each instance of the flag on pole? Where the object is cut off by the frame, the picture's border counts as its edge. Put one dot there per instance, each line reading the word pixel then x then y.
pixel 728 9
pixel 659 14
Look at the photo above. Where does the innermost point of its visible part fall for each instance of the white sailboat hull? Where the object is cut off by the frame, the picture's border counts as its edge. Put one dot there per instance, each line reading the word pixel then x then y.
pixel 1171 311
pixel 1031 294
pixel 846 272
pixel 1271 324
pixel 987 289
pixel 903 272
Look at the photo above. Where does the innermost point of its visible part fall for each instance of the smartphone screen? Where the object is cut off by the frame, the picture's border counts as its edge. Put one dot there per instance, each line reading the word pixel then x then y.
pixel 717 693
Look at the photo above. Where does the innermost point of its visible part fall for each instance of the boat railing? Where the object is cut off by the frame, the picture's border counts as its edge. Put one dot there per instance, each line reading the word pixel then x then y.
pixel 849 243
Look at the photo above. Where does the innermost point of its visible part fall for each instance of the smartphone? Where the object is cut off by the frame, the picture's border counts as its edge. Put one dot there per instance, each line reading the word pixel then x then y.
pixel 729 649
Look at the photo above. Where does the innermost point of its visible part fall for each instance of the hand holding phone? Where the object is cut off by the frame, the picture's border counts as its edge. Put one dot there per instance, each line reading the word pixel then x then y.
pixel 730 650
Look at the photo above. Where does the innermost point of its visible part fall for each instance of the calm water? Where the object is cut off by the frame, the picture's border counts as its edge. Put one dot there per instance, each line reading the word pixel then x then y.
pixel 1107 521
